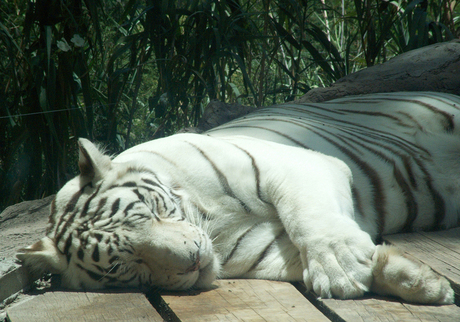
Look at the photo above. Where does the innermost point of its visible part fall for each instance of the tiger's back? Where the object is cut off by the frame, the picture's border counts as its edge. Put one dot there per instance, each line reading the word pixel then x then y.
pixel 403 150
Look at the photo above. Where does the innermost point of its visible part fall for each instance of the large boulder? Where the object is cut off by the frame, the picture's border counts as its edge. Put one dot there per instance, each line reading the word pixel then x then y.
pixel 23 224
pixel 432 68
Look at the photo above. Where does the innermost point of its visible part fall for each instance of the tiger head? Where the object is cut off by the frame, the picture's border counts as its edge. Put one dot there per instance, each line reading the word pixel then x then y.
pixel 119 224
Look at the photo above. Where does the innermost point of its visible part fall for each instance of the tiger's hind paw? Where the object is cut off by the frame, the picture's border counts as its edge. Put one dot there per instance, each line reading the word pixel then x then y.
pixel 396 275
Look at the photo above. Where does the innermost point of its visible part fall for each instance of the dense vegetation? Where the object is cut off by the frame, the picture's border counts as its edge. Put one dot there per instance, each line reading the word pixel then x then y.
pixel 125 71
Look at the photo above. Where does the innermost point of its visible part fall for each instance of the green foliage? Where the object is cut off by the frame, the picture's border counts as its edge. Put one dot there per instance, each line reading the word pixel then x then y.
pixel 124 71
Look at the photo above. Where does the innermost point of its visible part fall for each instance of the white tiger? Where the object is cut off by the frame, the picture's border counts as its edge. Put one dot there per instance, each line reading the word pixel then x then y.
pixel 251 199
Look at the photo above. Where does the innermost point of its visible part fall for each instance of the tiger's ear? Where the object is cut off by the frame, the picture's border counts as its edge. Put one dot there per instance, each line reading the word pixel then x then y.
pixel 42 257
pixel 93 163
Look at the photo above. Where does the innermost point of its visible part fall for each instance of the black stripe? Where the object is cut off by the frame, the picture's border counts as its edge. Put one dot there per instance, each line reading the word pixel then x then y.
pixel 129 184
pixel 411 204
pixel 161 187
pixel 410 173
pixel 139 195
pixel 358 204
pixel 98 214
pixel 412 119
pixel 115 207
pixel 159 203
pixel 376 115
pixel 130 222
pixel 100 269
pixel 237 244
pixel 267 250
pixel 113 259
pixel 449 123
pixel 152 183
pixel 449 119
pixel 92 275
pixel 168 212
pixel 125 250
pixel 129 207
pixel 80 254
pixel 95 254
pixel 222 179
pixel 73 201
pixel 68 243
pixel 256 171
pixel 304 108
pixel 439 206
pixel 114 269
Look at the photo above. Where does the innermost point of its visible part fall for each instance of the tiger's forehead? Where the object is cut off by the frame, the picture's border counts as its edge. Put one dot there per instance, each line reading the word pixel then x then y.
pixel 120 176
pixel 127 197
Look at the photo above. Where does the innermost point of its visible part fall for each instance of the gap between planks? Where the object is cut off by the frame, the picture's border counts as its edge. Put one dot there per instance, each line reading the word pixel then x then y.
pixel 241 300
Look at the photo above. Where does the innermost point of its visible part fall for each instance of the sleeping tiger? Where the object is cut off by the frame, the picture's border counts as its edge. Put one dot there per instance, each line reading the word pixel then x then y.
pixel 295 192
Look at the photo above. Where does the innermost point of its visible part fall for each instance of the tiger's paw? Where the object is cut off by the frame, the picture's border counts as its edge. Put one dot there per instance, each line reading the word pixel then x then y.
pixel 339 266
pixel 396 275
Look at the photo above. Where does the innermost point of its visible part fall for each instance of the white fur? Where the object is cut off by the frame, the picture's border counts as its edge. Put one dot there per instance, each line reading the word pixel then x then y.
pixel 394 274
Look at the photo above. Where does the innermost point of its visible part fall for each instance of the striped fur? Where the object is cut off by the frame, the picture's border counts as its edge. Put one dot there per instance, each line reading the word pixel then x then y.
pixel 296 192
pixel 394 144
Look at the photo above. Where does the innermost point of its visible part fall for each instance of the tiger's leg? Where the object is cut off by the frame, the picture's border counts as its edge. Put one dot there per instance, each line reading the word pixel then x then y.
pixel 339 258
pixel 342 268
pixel 315 206
pixel 394 274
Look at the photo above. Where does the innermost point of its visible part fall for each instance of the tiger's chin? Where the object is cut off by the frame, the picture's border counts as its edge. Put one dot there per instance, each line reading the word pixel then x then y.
pixel 208 274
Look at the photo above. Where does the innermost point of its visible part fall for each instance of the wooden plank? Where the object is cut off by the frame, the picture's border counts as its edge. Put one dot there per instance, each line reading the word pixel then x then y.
pixel 84 306
pixel 13 281
pixel 244 300
pixel 440 250
pixel 380 309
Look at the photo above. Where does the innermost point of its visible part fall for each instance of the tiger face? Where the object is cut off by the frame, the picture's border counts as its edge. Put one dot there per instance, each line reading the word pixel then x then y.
pixel 119 225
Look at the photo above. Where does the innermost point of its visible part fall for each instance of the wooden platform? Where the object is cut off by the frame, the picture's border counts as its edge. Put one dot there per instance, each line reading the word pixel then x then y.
pixel 255 300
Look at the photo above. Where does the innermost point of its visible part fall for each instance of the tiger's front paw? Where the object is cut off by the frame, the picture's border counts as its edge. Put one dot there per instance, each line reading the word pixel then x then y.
pixel 339 266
